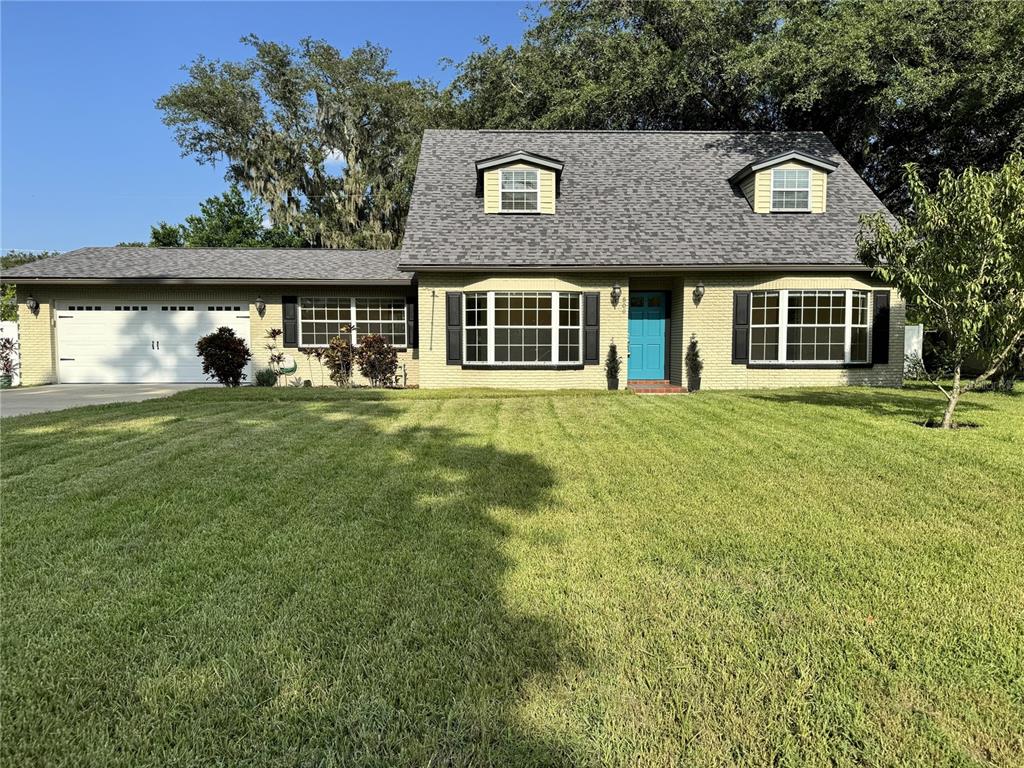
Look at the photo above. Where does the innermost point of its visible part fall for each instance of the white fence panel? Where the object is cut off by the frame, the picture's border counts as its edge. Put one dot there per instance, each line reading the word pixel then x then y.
pixel 913 341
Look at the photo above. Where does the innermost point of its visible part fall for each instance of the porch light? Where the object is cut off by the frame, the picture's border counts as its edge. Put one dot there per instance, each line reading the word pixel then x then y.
pixel 32 304
pixel 698 292
pixel 261 306
pixel 616 294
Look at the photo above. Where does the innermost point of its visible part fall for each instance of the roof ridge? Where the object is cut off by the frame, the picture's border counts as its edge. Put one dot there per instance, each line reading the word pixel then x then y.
pixel 625 131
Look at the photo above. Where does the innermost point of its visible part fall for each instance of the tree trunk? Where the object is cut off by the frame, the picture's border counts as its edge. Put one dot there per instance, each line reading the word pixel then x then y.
pixel 953 398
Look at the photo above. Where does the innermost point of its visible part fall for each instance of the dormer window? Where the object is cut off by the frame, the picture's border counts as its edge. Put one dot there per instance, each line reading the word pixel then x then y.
pixel 520 191
pixel 791 190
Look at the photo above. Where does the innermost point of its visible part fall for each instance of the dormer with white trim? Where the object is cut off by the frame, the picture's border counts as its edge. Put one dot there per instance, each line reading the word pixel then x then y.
pixel 793 182
pixel 519 182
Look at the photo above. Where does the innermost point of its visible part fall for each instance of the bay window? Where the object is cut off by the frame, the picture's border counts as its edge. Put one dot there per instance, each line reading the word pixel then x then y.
pixel 523 328
pixel 323 318
pixel 812 327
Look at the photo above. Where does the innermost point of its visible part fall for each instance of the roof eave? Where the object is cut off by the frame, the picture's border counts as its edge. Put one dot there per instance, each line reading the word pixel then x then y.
pixel 54 280
pixel 674 267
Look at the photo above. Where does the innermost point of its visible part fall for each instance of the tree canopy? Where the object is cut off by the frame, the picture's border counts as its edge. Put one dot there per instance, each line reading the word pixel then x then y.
pixel 958 260
pixel 329 143
pixel 933 82
pixel 284 118
pixel 228 220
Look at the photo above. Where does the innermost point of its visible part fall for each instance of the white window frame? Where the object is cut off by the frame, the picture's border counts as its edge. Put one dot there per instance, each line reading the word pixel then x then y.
pixel 555 328
pixel 351 322
pixel 776 209
pixel 848 325
pixel 502 190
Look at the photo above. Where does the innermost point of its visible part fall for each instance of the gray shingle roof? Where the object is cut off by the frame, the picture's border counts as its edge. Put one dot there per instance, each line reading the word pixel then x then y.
pixel 645 199
pixel 213 264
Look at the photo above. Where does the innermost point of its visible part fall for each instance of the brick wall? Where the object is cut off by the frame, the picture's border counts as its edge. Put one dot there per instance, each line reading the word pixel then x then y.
pixel 434 372
pixel 711 321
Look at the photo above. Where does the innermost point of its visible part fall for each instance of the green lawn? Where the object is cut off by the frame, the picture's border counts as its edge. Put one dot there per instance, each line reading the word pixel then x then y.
pixel 311 577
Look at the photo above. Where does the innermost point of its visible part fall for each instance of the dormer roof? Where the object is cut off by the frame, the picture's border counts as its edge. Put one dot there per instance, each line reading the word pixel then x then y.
pixel 794 155
pixel 517 156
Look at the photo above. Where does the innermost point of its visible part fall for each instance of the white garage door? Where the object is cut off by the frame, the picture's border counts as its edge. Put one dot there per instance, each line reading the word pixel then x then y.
pixel 110 342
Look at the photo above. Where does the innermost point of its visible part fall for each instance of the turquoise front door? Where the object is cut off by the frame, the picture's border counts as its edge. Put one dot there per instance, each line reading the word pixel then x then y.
pixel 647 325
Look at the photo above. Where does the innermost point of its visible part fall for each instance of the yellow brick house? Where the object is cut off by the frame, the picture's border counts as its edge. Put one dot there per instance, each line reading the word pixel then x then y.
pixel 527 254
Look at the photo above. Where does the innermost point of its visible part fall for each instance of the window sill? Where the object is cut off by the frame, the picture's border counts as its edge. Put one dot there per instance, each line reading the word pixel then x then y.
pixel 809 366
pixel 519 213
pixel 522 367
pixel 790 210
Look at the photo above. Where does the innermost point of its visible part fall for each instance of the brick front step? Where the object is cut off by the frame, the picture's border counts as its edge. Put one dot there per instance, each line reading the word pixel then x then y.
pixel 655 387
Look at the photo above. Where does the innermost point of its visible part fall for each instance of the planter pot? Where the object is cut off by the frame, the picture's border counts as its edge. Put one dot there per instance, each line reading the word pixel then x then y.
pixel 613 383
pixel 694 384
pixel 5 381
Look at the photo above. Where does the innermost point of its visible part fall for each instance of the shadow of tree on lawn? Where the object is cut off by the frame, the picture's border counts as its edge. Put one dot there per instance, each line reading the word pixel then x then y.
pixel 321 584
pixel 915 407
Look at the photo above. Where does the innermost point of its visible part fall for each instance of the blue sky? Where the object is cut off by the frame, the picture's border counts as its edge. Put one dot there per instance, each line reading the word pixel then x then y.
pixel 85 158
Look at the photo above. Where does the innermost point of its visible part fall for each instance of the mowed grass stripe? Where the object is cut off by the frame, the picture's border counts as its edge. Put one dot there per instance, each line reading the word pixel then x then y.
pixel 288 577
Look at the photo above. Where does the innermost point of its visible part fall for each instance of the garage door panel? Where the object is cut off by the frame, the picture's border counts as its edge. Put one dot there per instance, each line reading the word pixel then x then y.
pixel 156 344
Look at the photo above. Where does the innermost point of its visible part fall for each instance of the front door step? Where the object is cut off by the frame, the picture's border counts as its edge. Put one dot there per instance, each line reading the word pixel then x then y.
pixel 655 387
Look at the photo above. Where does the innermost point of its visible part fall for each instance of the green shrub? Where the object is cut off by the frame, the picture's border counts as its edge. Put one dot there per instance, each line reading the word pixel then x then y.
pixel 266 377
pixel 224 356
pixel 337 358
pixel 377 360
pixel 613 362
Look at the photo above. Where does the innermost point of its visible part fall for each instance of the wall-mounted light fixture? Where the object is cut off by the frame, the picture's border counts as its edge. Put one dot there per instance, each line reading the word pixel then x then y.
pixel 698 293
pixel 616 294
pixel 32 304
pixel 261 306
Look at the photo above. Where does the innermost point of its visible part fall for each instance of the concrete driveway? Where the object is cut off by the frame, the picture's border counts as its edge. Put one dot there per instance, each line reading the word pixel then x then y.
pixel 57 397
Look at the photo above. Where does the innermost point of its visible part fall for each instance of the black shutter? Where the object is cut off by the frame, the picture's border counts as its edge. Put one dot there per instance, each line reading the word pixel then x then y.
pixel 411 339
pixel 880 329
pixel 741 327
pixel 290 318
pixel 453 327
pixel 591 328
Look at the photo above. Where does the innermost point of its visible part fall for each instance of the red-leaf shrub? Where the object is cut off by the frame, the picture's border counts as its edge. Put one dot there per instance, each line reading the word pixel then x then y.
pixel 224 356
pixel 377 360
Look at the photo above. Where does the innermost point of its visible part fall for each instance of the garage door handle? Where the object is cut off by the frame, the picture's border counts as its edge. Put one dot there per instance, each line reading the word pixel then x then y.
pixel 152 345
pixel 158 345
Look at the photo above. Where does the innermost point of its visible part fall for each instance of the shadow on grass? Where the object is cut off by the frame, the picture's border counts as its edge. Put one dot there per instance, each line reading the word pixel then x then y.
pixel 917 406
pixel 311 584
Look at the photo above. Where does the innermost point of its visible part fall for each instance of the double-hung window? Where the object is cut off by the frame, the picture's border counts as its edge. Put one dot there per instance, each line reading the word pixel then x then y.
pixel 520 191
pixel 321 319
pixel 809 327
pixel 523 328
pixel 791 190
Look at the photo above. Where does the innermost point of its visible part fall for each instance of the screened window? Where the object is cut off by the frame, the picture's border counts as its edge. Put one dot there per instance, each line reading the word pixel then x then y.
pixel 321 319
pixel 817 326
pixel 764 326
pixel 569 323
pixel 809 327
pixel 519 191
pixel 859 328
pixel 791 190
pixel 476 328
pixel 523 328
pixel 383 317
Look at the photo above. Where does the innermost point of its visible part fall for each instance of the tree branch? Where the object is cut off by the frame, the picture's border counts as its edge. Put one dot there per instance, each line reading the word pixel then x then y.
pixel 997 362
